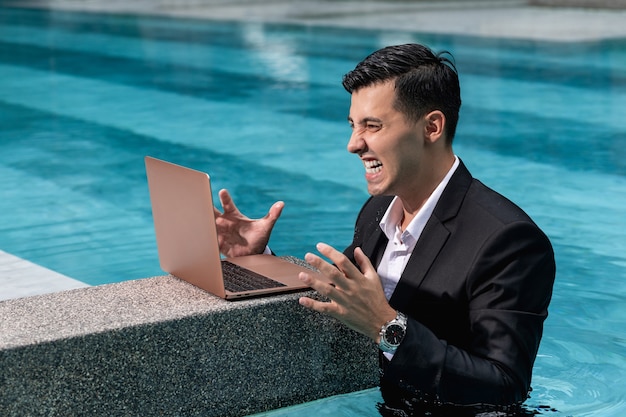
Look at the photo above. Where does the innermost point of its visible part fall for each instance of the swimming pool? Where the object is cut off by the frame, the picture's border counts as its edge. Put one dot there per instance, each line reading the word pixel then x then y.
pixel 260 107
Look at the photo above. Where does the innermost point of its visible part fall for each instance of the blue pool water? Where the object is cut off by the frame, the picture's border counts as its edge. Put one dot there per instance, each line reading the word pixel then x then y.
pixel 260 107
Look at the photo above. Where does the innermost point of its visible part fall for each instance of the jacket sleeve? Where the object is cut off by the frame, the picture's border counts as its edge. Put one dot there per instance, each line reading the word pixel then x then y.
pixel 508 289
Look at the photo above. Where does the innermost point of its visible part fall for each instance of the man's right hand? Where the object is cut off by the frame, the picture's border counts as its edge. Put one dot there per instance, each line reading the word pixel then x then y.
pixel 239 235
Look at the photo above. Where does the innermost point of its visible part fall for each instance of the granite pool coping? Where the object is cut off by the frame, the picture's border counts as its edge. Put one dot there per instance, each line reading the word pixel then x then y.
pixel 160 346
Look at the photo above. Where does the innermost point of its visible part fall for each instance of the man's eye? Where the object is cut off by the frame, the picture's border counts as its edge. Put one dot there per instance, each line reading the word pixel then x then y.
pixel 372 127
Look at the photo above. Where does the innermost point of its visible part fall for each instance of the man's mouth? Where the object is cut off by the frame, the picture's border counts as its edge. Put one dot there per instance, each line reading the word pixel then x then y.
pixel 373 166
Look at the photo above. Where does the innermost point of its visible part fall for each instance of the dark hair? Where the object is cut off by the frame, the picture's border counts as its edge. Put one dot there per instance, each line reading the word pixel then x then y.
pixel 424 81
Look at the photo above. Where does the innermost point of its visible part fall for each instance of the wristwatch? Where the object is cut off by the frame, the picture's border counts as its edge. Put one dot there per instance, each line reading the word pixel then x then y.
pixel 392 333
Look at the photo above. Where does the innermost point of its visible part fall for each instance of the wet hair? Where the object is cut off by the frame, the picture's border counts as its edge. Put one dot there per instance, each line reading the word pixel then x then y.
pixel 424 81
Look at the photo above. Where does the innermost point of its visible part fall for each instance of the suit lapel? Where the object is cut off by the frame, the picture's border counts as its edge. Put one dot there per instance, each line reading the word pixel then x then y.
pixel 374 240
pixel 433 237
pixel 375 245
pixel 426 250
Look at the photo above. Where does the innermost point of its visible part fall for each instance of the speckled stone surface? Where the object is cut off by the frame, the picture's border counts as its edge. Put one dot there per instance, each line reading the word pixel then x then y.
pixel 159 346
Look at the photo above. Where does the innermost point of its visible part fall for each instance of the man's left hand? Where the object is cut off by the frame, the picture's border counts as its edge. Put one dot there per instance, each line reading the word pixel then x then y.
pixel 356 298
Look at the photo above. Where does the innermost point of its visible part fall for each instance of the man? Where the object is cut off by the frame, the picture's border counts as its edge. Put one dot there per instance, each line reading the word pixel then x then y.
pixel 451 279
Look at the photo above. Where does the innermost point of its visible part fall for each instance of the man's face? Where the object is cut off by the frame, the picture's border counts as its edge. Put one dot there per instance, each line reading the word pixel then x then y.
pixel 390 146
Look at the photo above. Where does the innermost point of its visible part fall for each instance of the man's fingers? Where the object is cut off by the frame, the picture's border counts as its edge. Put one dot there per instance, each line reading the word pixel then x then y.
pixel 335 286
pixel 227 202
pixel 340 260
pixel 275 211
pixel 326 288
pixel 364 262
pixel 321 307
pixel 314 260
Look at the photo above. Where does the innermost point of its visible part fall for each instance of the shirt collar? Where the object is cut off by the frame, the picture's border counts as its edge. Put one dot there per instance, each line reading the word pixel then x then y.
pixel 390 223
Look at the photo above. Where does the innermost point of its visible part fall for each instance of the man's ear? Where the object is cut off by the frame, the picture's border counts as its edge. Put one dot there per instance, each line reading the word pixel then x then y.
pixel 434 124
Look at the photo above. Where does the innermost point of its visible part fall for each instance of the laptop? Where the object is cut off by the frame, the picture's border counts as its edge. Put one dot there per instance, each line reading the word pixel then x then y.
pixel 184 223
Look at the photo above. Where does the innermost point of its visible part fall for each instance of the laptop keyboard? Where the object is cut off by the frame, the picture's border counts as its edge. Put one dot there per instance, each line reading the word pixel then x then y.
pixel 237 279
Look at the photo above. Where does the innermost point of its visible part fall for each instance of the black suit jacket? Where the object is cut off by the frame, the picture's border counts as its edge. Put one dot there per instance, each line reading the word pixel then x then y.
pixel 476 291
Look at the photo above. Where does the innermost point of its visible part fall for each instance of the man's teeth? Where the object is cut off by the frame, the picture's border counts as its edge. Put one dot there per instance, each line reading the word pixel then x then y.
pixel 372 167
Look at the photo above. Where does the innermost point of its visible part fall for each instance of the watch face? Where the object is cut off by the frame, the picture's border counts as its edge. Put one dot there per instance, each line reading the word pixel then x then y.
pixel 394 334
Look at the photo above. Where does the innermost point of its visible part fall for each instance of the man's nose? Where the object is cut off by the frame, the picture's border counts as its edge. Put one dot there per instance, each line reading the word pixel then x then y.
pixel 356 144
